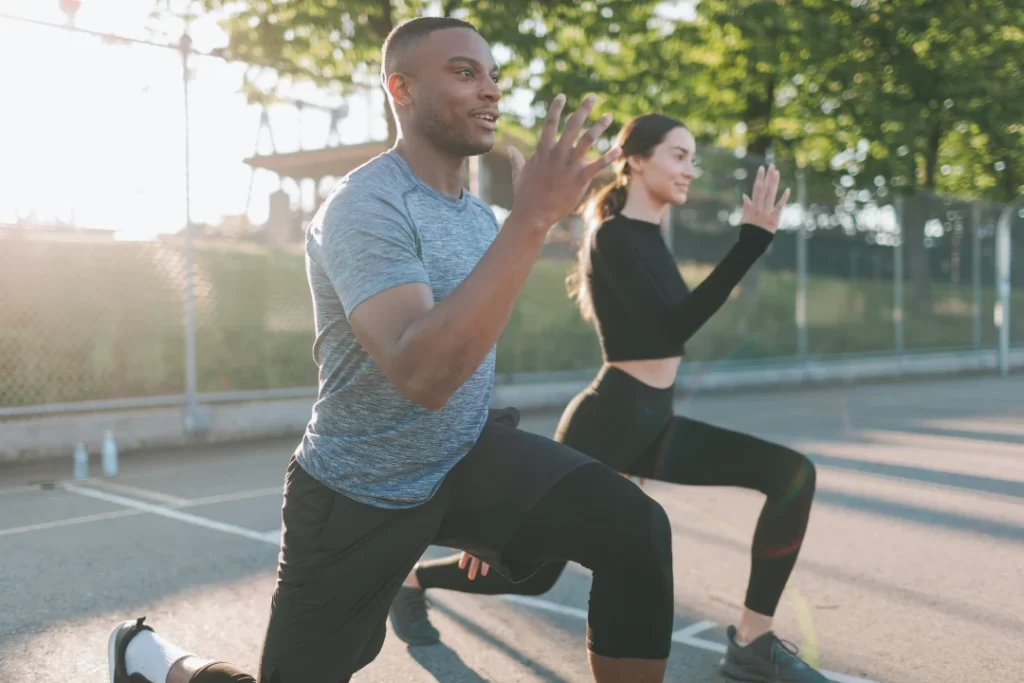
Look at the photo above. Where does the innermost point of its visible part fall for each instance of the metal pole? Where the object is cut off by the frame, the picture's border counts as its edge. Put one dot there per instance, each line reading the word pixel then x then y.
pixel 70 9
pixel 897 290
pixel 801 265
pixel 191 397
pixel 1002 312
pixel 976 272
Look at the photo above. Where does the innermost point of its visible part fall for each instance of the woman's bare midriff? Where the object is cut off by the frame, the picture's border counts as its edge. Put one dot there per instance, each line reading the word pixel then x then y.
pixel 659 372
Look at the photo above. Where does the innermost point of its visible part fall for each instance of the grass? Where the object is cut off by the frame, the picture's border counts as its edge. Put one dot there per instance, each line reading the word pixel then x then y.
pixel 97 320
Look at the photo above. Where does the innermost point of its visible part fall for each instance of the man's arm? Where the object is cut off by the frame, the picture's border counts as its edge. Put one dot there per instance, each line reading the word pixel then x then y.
pixel 429 350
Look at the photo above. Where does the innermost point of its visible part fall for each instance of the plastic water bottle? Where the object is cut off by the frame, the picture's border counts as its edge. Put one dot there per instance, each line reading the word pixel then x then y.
pixel 109 454
pixel 81 462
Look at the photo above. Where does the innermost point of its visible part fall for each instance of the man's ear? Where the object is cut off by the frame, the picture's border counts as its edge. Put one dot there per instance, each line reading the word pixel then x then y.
pixel 398 86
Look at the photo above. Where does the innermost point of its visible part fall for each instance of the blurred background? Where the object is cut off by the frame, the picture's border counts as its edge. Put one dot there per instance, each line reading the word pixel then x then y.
pixel 160 159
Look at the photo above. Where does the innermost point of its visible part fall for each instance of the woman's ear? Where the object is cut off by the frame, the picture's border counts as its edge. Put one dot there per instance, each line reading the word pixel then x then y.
pixel 634 165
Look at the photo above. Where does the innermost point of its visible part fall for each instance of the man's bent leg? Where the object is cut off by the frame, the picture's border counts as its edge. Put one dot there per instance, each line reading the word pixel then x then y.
pixel 607 524
pixel 524 500
pixel 341 564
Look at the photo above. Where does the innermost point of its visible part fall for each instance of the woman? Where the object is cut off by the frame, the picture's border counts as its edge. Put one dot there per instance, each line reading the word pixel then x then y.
pixel 629 285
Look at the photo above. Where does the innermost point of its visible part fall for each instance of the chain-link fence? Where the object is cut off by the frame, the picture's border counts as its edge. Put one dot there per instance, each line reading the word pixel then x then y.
pixel 848 273
pixel 98 315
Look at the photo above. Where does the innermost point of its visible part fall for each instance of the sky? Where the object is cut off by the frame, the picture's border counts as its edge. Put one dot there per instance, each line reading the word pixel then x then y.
pixel 97 131
pixel 96 134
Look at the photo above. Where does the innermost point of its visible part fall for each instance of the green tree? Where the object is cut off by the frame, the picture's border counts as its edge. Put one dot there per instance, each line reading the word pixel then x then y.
pixel 921 93
pixel 337 43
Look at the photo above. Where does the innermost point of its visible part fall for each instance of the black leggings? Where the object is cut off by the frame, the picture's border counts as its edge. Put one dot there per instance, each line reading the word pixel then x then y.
pixel 631 427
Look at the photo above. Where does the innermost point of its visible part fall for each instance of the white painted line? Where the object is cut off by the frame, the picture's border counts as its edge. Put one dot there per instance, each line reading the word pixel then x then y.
pixel 170 514
pixel 693 629
pixel 545 605
pixel 69 522
pixel 231 497
pixel 273 536
pixel 140 492
pixel 701 644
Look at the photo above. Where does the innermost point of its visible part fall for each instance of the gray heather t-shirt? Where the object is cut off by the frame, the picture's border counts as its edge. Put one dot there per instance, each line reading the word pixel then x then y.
pixel 382 227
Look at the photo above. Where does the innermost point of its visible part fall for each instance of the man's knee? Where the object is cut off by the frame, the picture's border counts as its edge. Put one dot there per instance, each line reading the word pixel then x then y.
pixel 644 530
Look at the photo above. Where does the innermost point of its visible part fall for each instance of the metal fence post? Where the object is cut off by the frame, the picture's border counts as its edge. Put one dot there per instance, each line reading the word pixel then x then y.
pixel 191 393
pixel 801 265
pixel 897 290
pixel 1003 244
pixel 976 273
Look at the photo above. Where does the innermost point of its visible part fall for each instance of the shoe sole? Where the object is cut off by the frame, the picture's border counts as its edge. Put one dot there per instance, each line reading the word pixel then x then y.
pixel 112 649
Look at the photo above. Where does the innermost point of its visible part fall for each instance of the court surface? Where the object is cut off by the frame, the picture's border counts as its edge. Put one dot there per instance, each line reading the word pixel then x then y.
pixel 911 571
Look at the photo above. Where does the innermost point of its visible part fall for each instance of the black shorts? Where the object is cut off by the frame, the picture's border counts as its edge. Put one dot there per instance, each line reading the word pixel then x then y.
pixel 342 562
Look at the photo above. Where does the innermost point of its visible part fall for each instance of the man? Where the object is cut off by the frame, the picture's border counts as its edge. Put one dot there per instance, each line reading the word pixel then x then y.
pixel 412 284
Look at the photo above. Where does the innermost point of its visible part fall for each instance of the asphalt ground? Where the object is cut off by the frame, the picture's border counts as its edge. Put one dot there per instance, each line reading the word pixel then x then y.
pixel 911 570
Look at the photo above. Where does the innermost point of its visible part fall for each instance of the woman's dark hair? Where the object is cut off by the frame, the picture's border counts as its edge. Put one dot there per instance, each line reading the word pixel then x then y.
pixel 638 137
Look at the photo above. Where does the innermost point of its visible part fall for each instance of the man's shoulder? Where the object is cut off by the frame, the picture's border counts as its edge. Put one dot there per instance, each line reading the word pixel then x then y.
pixel 379 179
pixel 370 196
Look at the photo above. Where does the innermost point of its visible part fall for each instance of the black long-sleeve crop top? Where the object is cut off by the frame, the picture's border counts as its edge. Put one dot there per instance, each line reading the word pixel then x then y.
pixel 642 307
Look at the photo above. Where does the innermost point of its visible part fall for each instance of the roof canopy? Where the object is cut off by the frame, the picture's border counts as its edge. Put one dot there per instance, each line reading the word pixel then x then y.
pixel 330 161
pixel 319 163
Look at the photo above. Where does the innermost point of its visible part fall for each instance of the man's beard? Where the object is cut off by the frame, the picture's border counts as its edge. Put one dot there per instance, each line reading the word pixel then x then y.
pixel 449 137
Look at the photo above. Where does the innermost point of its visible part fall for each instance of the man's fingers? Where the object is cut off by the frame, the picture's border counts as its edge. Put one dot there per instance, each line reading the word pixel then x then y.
pixel 592 135
pixel 603 162
pixel 484 567
pixel 550 131
pixel 462 561
pixel 575 123
pixel 517 161
pixel 474 566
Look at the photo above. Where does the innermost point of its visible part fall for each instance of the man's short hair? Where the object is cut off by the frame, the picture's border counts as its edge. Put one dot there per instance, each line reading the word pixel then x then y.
pixel 404 36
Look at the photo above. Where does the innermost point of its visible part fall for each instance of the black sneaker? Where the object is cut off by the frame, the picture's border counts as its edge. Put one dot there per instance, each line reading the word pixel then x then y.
pixel 117 644
pixel 767 659
pixel 409 617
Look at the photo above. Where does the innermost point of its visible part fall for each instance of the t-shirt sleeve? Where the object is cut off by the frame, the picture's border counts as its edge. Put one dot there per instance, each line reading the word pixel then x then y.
pixel 367 245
